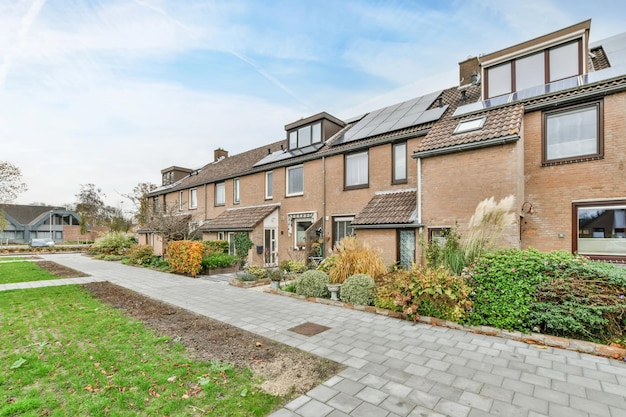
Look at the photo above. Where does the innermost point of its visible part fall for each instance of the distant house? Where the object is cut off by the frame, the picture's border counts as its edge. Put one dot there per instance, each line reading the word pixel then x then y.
pixel 542 120
pixel 31 222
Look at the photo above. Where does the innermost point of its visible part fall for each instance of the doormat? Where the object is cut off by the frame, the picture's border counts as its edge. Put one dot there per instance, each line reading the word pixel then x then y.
pixel 309 329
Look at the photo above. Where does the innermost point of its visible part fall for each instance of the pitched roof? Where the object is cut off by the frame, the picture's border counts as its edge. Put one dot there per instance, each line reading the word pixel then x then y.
pixel 388 208
pixel 499 123
pixel 240 218
pixel 28 214
pixel 239 164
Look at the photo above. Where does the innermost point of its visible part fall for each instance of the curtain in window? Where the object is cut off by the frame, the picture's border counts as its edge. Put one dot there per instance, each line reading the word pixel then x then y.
pixel 296 179
pixel 357 172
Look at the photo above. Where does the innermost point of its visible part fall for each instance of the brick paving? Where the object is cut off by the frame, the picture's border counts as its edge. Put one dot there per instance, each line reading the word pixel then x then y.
pixel 394 367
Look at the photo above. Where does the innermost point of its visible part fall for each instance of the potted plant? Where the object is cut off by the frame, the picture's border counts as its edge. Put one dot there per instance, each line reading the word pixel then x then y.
pixel 275 276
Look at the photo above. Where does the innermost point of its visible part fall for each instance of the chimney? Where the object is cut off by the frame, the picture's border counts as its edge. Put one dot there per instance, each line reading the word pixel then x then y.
pixel 220 154
pixel 466 69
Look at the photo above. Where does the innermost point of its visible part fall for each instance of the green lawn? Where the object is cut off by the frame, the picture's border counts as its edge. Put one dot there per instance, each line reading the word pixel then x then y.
pixel 11 272
pixel 64 353
pixel 14 258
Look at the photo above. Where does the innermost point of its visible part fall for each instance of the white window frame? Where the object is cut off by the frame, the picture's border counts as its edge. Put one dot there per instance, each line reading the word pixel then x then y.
pixel 236 191
pixel 193 198
pixel 220 194
pixel 470 125
pixel 288 181
pixel 269 185
pixel 400 163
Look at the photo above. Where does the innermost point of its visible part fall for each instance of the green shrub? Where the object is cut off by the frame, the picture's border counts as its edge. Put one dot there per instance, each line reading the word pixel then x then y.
pixel 159 263
pixel 450 254
pixel 214 246
pixel 505 284
pixel 583 301
pixel 218 260
pixel 112 258
pixel 434 292
pixel 112 243
pixel 312 283
pixel 291 287
pixel 247 277
pixel 293 266
pixel 256 270
pixel 242 244
pixel 392 290
pixel 358 289
pixel 140 254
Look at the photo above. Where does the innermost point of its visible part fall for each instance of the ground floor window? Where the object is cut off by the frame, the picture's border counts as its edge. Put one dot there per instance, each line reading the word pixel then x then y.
pixel 342 227
pixel 300 235
pixel 600 228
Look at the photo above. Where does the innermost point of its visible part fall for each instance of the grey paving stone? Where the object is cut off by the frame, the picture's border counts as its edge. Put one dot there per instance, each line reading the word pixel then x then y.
pixel 353 374
pixel 283 412
pixel 397 405
pixel 424 412
pixel 552 396
pixel 452 409
pixel 322 393
pixel 344 402
pixel 595 407
pixel 373 381
pixel 445 391
pixel 557 410
pixel 476 401
pixel 396 375
pixel 337 413
pixel 372 395
pixel 468 385
pixel 497 393
pixel 503 409
pixel 369 410
pixel 532 403
pixel 314 408
pixel 298 402
pixel 423 399
pixel 606 398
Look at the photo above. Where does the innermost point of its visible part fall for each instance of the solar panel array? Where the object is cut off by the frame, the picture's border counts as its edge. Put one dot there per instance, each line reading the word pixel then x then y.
pixel 395 117
pixel 286 154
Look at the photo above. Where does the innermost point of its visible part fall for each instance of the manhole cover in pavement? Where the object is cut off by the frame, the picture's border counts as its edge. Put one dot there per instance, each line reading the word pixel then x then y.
pixel 309 329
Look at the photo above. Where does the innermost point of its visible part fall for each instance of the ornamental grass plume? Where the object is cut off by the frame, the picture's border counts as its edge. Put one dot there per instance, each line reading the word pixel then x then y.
pixel 350 257
pixel 487 224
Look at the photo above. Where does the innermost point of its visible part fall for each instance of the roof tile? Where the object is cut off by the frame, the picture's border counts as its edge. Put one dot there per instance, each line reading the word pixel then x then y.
pixel 388 208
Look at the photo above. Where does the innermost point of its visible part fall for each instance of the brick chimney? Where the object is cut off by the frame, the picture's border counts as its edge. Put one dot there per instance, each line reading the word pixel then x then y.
pixel 466 69
pixel 220 154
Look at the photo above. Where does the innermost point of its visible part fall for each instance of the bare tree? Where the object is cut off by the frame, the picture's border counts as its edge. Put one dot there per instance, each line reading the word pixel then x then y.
pixel 169 223
pixel 11 184
pixel 139 198
pixel 90 206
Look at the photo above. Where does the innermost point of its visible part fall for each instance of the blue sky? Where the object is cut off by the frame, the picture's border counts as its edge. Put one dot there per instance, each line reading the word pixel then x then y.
pixel 111 92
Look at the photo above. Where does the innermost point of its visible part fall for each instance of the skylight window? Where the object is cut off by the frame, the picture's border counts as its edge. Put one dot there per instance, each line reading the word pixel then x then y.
pixel 469 125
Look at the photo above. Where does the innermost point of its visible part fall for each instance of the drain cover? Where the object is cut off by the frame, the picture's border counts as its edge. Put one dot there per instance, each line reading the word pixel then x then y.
pixel 309 329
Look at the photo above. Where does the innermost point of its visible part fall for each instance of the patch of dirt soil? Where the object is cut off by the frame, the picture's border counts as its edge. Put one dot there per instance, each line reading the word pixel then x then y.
pixel 60 270
pixel 286 371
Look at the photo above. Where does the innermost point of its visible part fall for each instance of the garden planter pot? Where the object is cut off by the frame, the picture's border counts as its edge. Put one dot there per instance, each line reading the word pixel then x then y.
pixel 334 290
pixel 275 285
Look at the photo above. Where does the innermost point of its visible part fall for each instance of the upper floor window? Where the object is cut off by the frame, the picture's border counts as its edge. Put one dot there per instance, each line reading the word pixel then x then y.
pixel 269 184
pixel 305 136
pixel 156 207
pixel 356 170
pixel 236 191
pixel 573 133
pixel 539 68
pixel 220 194
pixel 469 125
pixel 168 178
pixel 181 200
pixel 193 198
pixel 399 163
pixel 295 180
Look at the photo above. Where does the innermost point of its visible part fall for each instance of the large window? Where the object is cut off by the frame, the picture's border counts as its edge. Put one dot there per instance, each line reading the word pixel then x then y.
pixel 399 163
pixel 544 67
pixel 295 180
pixel 193 198
pixel 269 185
pixel 305 136
pixel 573 133
pixel 357 170
pixel 342 227
pixel 600 229
pixel 236 191
pixel 220 194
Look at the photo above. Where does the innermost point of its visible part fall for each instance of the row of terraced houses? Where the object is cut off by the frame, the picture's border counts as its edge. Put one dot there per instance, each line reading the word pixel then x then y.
pixel 543 120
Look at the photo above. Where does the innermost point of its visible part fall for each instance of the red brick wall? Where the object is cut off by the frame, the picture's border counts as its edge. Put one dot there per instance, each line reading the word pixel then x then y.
pixel 552 189
pixel 72 233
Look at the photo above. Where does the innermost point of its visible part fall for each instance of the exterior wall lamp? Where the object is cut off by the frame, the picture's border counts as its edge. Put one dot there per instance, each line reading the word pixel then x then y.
pixel 530 209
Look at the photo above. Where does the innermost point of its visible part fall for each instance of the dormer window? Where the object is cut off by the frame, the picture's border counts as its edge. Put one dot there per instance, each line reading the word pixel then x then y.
pixel 305 135
pixel 539 68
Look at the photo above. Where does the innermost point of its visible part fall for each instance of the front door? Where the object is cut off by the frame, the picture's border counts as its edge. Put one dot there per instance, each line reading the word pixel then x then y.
pixel 406 248
pixel 271 247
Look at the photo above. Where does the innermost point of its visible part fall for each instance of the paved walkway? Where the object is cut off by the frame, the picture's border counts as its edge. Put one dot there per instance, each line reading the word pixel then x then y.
pixel 394 368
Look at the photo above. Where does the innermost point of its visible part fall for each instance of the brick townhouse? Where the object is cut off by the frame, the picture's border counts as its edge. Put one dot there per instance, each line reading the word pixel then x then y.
pixel 541 120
